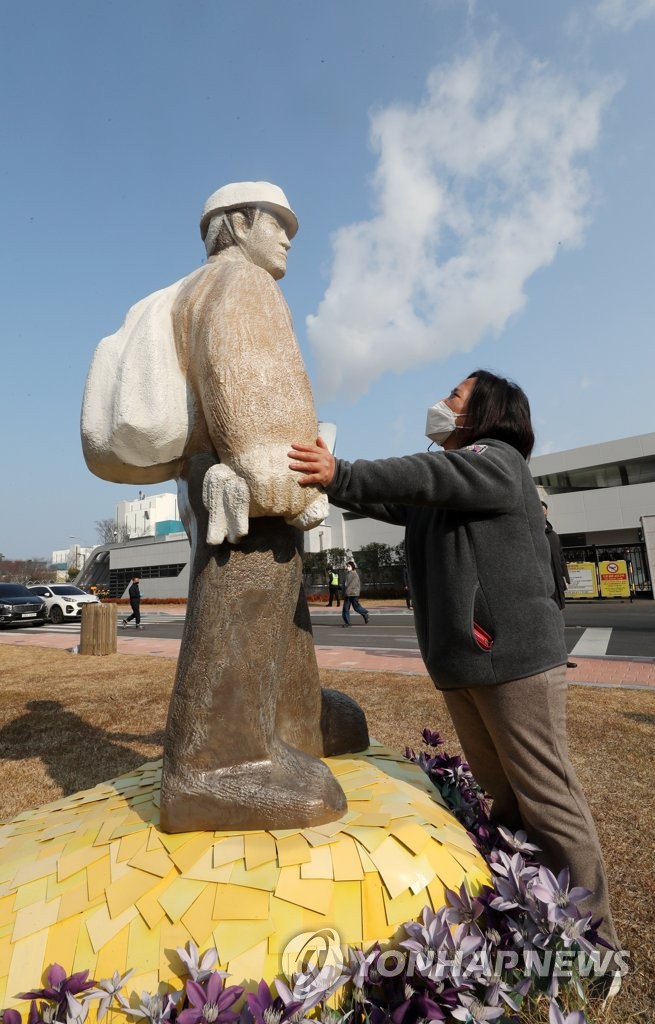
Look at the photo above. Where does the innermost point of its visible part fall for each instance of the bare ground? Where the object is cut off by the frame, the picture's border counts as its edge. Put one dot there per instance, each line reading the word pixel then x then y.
pixel 68 723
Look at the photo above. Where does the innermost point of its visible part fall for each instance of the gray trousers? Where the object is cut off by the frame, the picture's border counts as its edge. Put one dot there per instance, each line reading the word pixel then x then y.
pixel 514 738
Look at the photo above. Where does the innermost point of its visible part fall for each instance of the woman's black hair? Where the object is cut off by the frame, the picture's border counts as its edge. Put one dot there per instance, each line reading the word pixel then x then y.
pixel 499 409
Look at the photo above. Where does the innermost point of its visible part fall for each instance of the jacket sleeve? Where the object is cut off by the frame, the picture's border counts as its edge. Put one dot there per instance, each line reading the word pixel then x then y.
pixel 396 514
pixel 484 477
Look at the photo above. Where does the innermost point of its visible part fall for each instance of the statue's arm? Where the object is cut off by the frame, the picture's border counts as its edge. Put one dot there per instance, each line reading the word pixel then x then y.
pixel 255 394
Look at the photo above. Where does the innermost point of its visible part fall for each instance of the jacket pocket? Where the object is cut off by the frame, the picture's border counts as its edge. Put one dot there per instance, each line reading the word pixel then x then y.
pixel 480 622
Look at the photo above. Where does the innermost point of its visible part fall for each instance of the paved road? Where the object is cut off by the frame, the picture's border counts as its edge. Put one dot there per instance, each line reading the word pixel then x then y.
pixel 603 629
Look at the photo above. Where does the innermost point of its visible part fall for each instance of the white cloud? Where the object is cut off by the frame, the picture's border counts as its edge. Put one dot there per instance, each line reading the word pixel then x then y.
pixel 475 190
pixel 624 14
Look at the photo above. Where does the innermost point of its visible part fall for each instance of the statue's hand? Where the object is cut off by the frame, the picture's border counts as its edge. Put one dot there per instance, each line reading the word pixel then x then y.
pixel 227 499
pixel 312 515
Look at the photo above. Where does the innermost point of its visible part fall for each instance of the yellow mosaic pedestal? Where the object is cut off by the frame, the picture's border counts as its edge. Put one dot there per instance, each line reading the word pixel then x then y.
pixel 91 882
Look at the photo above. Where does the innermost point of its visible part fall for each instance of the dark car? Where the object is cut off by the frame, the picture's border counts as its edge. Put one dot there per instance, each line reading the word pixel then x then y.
pixel 19 606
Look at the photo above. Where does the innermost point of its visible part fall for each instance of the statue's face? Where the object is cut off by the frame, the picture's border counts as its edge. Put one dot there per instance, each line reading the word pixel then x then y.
pixel 267 244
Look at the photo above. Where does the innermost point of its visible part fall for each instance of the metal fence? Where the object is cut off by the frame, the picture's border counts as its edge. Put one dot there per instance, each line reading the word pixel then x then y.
pixel 633 554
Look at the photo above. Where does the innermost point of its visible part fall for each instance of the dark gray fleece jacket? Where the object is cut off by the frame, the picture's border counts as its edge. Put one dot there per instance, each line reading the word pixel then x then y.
pixel 476 554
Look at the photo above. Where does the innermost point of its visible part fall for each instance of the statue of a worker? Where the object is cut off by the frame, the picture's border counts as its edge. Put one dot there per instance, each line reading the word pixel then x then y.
pixel 248 721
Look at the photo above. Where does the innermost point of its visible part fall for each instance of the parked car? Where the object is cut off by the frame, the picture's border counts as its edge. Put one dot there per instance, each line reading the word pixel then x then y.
pixel 63 600
pixel 19 606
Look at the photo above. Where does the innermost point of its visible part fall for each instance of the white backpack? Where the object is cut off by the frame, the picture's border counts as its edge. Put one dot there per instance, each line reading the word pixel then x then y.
pixel 135 408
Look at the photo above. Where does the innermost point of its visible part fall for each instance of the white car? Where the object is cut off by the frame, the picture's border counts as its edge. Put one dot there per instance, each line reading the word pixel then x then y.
pixel 63 600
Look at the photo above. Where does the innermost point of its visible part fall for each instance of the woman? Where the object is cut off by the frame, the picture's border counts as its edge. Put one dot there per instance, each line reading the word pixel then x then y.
pixel 490 634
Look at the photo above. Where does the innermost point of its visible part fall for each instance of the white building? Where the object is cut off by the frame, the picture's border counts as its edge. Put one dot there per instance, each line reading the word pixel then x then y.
pixel 601 497
pixel 155 515
pixel 350 532
pixel 72 557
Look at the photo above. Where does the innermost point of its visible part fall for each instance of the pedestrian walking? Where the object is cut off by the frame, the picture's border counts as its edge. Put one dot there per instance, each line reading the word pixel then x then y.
pixel 490 634
pixel 333 587
pixel 352 588
pixel 134 595
pixel 407 591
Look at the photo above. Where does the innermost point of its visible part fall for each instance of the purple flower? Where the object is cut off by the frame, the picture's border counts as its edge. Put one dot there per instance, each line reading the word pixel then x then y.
pixel 555 893
pixel 517 841
pixel 416 1006
pixel 210 1004
pixel 473 1011
pixel 268 1010
pixel 106 990
pixel 157 1009
pixel 555 1015
pixel 198 968
pixel 463 908
pixel 11 1017
pixel 59 983
pixel 432 738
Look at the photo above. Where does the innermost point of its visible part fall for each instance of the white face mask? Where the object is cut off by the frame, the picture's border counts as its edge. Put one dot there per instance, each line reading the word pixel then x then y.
pixel 441 422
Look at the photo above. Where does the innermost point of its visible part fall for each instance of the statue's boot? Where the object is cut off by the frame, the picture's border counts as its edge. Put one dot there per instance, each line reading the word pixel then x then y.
pixel 291 790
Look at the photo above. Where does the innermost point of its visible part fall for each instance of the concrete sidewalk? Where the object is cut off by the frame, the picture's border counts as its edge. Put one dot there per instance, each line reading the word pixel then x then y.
pixel 634 674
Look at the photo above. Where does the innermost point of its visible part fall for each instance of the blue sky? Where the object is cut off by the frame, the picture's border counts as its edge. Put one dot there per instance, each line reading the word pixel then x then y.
pixel 473 183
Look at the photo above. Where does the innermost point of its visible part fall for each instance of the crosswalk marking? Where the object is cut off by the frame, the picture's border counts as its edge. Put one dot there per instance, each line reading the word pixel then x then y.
pixel 593 643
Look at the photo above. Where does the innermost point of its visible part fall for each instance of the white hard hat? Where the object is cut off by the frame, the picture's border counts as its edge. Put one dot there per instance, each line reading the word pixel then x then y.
pixel 249 193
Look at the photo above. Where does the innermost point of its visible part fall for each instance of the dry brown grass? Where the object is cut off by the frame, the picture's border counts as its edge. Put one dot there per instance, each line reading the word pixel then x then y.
pixel 67 723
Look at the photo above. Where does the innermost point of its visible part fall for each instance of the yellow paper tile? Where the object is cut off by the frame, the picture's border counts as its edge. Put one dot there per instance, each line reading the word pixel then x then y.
pixel 259 848
pixel 55 888
pixel 310 893
pixel 174 840
pixel 76 901
pixel 34 918
pixel 235 902
pixel 346 912
pixel 191 852
pixel 112 821
pixel 80 840
pixel 7 907
pixel 346 865
pixel 293 850
pixel 142 947
pixel 320 863
pixel 203 870
pixel 102 928
pixel 411 835
pixel 367 863
pixel 31 870
pixel 27 953
pixel 127 890
pixel 370 838
pixel 228 850
pixel 250 965
pixel 445 865
pixel 264 877
pixel 437 892
pixel 405 907
pixel 232 938
pixel 395 865
pixel 149 906
pixel 62 941
pixel 33 892
pixel 316 839
pixel 374 919
pixel 98 876
pixel 156 862
pixel 113 955
pixel 179 896
pixel 85 957
pixel 131 845
pixel 198 918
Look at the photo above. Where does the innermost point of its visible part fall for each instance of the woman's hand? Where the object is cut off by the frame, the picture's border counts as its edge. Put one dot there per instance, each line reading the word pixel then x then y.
pixel 315 461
